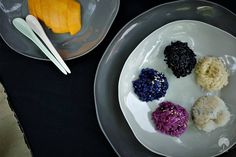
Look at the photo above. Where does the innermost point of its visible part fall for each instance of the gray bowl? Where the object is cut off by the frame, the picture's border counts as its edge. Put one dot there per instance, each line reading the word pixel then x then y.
pixel 110 117
pixel 97 18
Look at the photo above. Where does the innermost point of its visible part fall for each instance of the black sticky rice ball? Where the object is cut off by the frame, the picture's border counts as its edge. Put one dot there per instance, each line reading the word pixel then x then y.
pixel 180 58
pixel 150 85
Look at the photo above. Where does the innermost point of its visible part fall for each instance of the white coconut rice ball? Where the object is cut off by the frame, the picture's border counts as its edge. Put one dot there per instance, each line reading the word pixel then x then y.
pixel 209 113
pixel 211 74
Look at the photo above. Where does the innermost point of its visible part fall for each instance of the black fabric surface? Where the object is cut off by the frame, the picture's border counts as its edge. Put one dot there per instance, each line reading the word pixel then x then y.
pixel 57 112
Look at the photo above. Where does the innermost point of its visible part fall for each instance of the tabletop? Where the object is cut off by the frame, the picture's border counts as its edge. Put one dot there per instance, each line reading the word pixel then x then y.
pixel 57 112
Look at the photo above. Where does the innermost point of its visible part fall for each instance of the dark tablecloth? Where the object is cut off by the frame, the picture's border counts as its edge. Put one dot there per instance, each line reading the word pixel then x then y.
pixel 57 112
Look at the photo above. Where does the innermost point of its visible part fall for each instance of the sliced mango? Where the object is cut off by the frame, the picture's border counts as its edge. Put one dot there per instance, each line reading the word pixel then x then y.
pixel 62 8
pixel 74 17
pixel 54 16
pixel 45 13
pixel 57 19
pixel 31 6
pixel 37 8
pixel 61 16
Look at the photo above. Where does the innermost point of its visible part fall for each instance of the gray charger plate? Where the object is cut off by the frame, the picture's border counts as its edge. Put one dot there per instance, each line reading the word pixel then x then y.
pixel 97 18
pixel 110 117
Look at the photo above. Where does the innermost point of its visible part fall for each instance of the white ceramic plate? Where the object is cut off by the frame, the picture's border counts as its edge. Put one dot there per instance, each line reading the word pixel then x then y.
pixel 204 40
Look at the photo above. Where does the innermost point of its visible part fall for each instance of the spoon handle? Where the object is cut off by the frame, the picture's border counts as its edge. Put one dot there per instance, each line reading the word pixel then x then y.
pixel 37 28
pixel 23 27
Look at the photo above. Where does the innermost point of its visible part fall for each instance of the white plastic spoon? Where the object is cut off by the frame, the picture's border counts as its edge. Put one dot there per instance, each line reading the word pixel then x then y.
pixel 38 29
pixel 23 27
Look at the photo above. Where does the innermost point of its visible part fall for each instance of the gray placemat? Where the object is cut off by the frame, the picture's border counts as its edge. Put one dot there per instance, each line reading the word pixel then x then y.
pixel 12 143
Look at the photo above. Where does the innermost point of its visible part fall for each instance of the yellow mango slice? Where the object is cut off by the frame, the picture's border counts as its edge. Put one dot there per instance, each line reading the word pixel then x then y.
pixel 31 7
pixel 74 17
pixel 58 16
pixel 61 16
pixel 37 8
pixel 45 12
pixel 62 8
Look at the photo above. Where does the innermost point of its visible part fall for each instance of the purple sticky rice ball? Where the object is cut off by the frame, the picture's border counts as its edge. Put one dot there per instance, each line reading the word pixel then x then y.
pixel 150 85
pixel 170 119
